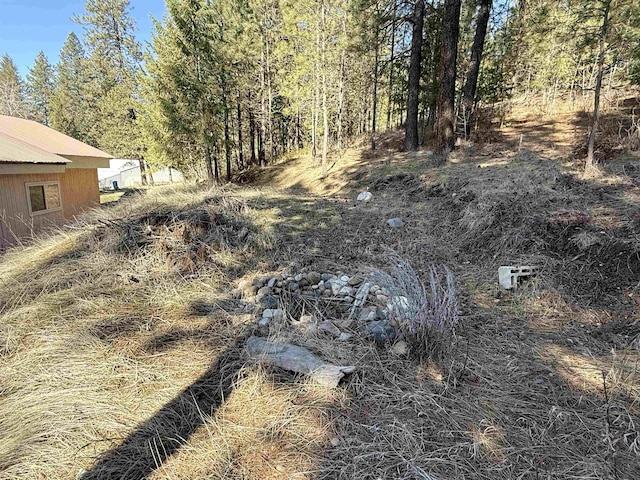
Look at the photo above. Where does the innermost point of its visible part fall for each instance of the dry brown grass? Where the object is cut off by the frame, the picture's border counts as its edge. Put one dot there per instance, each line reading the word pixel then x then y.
pixel 115 361
pixel 87 314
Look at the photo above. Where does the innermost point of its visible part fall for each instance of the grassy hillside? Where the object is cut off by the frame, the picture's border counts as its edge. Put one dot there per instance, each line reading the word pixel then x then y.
pixel 121 336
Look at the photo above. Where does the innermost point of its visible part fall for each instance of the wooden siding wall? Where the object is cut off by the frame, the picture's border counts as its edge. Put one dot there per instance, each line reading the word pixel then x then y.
pixel 78 188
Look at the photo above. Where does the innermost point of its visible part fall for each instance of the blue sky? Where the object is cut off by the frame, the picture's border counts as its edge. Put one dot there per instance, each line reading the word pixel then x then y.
pixel 28 26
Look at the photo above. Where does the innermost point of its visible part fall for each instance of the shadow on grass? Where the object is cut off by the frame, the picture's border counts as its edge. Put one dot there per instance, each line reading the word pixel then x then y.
pixel 157 439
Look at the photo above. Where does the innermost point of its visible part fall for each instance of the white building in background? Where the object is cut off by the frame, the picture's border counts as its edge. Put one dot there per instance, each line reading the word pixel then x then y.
pixel 127 175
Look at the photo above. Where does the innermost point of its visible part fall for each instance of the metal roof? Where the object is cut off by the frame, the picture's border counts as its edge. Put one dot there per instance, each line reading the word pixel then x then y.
pixel 44 138
pixel 13 150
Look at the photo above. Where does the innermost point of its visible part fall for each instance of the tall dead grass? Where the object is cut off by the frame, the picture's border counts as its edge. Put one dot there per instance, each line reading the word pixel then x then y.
pixel 100 333
pixel 100 328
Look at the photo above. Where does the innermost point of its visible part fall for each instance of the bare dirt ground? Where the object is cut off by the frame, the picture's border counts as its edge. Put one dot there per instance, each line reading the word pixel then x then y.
pixel 121 347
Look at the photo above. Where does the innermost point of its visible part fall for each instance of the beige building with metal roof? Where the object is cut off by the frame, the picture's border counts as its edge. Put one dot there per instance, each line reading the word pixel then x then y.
pixel 46 177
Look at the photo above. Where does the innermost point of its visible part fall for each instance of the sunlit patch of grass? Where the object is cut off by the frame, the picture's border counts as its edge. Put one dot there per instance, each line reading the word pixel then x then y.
pixel 549 311
pixel 587 373
pixel 111 197
pixel 487 441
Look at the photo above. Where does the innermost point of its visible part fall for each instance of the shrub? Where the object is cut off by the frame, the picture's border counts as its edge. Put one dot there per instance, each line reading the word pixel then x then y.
pixel 427 317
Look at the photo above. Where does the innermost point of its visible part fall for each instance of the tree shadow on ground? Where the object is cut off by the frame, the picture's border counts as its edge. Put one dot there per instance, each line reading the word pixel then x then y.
pixel 158 438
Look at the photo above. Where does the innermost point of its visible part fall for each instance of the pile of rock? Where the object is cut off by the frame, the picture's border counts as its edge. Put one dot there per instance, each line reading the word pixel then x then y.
pixel 363 302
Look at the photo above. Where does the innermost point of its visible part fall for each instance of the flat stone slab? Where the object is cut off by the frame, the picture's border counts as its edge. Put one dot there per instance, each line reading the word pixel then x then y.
pixel 297 359
pixel 395 223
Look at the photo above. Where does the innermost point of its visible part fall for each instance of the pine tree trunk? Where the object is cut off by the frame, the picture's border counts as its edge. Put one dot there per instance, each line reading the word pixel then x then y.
pixel 411 124
pixel 143 172
pixel 252 137
pixel 316 106
pixel 375 95
pixel 470 87
pixel 590 165
pixel 325 117
pixel 445 124
pixel 391 60
pixel 216 166
pixel 211 178
pixel 263 115
pixel 340 102
pixel 314 125
pixel 227 140
pixel 240 152
pixel 298 130
pixel 270 109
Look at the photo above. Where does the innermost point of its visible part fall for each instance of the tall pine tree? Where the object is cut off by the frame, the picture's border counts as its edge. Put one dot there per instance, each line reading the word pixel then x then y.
pixel 114 58
pixel 70 103
pixel 11 89
pixel 40 86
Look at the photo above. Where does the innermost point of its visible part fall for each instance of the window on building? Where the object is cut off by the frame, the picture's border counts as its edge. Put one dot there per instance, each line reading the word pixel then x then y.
pixel 44 197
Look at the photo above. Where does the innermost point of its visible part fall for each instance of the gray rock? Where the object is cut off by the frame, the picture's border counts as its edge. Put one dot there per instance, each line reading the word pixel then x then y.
pixel 304 283
pixel 382 299
pixel 367 314
pixel 297 359
pixel 361 296
pixel 345 278
pixel 395 223
pixel 339 287
pixel 293 286
pixel 274 313
pixel 265 321
pixel 314 278
pixel 400 348
pixel 271 283
pixel 329 327
pixel 263 291
pixel 355 280
pixel 269 301
pixel 258 282
pixel 380 331
pixel 327 276
pixel 298 277
pixel 365 197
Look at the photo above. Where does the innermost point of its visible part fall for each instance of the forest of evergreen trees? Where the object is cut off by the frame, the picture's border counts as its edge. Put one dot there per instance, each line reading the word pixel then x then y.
pixel 229 84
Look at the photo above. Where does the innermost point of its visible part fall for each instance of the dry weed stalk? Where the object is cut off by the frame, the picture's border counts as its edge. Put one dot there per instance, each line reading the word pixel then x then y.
pixel 426 317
